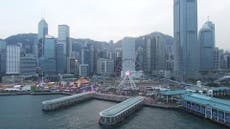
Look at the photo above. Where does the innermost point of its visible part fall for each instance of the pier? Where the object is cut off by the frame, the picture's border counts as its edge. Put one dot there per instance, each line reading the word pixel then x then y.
pixel 119 112
pixel 214 109
pixel 54 104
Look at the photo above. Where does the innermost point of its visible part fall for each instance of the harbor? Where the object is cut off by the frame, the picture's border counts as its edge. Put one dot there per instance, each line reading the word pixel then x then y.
pixel 86 115
pixel 214 109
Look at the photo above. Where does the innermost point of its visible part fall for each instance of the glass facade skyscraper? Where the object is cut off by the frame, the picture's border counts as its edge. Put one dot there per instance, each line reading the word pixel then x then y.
pixel 207 46
pixel 64 38
pixel 42 32
pixel 48 62
pixel 60 58
pixel 185 37
pixel 128 56
pixel 42 29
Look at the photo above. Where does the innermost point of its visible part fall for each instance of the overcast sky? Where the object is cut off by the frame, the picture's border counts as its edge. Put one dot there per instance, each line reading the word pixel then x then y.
pixel 106 20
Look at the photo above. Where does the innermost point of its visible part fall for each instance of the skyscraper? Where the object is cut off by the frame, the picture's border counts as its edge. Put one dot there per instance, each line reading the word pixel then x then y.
pixel 28 65
pixel 64 38
pixel 157 53
pixel 12 59
pixel 42 29
pixel 2 56
pixel 207 46
pixel 48 61
pixel 128 56
pixel 185 38
pixel 42 32
pixel 60 58
pixel 149 54
pixel 105 66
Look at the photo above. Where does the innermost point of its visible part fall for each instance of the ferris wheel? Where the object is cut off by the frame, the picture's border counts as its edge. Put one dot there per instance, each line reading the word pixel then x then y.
pixel 130 62
pixel 127 74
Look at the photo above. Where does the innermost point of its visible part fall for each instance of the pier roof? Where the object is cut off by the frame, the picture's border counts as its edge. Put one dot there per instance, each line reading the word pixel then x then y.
pixel 121 107
pixel 219 88
pixel 220 104
pixel 173 92
pixel 63 98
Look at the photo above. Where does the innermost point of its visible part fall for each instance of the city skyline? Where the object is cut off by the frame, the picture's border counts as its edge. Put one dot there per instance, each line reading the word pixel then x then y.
pixel 109 22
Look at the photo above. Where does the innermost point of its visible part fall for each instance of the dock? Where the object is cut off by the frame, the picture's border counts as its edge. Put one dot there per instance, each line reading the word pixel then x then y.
pixel 121 111
pixel 214 109
pixel 54 104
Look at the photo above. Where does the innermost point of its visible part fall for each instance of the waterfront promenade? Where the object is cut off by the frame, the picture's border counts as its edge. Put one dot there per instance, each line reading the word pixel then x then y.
pixel 100 96
pixel 33 93
pixel 147 100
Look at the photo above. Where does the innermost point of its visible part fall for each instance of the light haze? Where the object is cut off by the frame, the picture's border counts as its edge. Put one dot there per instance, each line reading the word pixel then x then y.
pixel 106 20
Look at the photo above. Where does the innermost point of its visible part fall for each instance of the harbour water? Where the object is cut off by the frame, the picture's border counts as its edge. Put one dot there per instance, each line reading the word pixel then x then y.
pixel 24 112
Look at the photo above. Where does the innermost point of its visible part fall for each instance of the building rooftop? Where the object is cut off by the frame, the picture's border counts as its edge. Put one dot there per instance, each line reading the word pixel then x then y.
pixel 61 99
pixel 121 107
pixel 174 92
pixel 220 104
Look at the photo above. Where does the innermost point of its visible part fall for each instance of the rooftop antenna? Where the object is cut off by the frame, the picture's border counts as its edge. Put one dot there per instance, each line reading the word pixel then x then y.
pixel 43 13
pixel 208 18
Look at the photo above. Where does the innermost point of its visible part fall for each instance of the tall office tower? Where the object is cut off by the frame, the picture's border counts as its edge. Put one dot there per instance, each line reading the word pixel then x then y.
pixel 60 58
pixel 85 54
pixel 207 46
pixel 12 59
pixel 48 62
pixel 149 54
pixel 140 59
pixel 128 56
pixel 73 65
pixel 118 61
pixel 216 59
pixel 2 57
pixel 42 32
pixel 105 66
pixel 28 65
pixel 155 53
pixel 185 37
pixel 160 53
pixel 83 70
pixel 92 62
pixel 220 59
pixel 64 38
pixel 169 53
